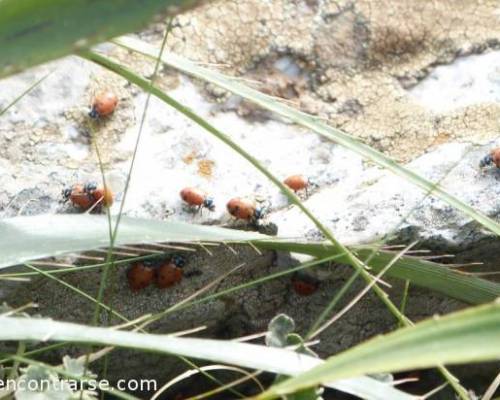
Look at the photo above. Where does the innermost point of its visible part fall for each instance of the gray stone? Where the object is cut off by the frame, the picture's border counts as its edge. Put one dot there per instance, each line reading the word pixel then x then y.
pixel 467 81
pixel 374 204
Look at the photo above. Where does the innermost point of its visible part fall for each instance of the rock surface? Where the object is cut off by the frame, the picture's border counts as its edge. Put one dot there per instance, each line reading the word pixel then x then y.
pixel 355 64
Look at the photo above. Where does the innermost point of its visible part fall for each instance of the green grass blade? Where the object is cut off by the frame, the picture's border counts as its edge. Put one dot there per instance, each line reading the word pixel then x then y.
pixel 29 238
pixel 467 288
pixel 472 335
pixel 470 289
pixel 308 121
pixel 229 352
pixel 60 234
pixel 34 31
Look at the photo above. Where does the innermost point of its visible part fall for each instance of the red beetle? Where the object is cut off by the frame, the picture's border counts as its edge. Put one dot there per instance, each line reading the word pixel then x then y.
pixel 198 198
pixel 140 276
pixel 104 104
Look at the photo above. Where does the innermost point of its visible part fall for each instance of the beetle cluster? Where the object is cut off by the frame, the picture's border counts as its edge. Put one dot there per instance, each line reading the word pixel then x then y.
pixel 248 210
pixel 240 208
pixel 167 274
pixel 89 196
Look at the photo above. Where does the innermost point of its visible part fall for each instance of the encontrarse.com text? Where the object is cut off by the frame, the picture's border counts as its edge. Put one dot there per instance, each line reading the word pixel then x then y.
pixel 92 384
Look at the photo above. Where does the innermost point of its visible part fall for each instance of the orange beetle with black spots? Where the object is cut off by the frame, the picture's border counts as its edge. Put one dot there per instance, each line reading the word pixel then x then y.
pixel 104 104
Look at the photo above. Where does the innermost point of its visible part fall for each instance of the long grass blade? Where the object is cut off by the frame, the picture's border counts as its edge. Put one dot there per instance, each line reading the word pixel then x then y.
pixel 228 352
pixel 60 234
pixel 423 273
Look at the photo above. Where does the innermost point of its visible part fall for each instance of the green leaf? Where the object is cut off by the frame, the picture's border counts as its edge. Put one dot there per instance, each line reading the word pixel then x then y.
pixel 76 367
pixel 234 85
pixel 253 356
pixel 38 383
pixel 472 335
pixel 280 335
pixel 278 330
pixel 34 31
pixel 29 238
pixel 38 374
pixel 306 394
pixel 293 339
